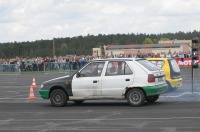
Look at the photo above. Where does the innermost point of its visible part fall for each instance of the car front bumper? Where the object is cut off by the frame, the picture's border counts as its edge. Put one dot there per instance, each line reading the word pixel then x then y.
pixel 44 93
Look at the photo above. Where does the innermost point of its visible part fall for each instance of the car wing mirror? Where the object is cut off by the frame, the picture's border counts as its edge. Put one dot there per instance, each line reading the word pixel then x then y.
pixel 78 74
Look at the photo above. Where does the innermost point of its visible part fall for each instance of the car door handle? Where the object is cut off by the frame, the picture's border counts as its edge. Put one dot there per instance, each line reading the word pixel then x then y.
pixel 127 79
pixel 95 81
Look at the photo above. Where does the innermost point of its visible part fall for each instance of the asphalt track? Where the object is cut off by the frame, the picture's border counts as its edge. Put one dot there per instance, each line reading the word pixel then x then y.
pixel 173 112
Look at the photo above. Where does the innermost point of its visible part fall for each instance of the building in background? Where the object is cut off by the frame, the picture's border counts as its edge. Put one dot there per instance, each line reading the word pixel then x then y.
pixel 132 49
pixel 186 44
pixel 99 51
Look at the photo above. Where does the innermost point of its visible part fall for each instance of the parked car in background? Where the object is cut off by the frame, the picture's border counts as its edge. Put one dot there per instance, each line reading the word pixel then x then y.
pixel 136 80
pixel 172 72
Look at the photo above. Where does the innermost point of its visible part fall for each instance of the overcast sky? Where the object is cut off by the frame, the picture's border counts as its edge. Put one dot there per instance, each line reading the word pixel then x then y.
pixel 30 20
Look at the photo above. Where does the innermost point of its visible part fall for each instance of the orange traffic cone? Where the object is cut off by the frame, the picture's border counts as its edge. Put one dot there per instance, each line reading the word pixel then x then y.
pixel 33 83
pixel 31 95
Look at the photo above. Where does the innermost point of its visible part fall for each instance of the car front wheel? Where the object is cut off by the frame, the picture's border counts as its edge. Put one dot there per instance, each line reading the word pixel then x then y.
pixel 136 97
pixel 58 98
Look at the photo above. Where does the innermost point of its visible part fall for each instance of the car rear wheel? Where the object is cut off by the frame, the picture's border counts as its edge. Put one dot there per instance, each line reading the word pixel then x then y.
pixel 58 98
pixel 152 99
pixel 136 97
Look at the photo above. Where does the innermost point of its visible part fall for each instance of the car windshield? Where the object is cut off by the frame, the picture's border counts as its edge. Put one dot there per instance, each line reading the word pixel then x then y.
pixel 150 66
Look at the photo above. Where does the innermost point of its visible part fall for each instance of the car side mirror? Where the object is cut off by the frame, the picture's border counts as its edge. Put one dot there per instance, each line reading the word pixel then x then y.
pixel 78 74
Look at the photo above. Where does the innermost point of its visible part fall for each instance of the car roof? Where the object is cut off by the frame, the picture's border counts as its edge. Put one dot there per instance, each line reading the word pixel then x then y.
pixel 119 59
pixel 160 58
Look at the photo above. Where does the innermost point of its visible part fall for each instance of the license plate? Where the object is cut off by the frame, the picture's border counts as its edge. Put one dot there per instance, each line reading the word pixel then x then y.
pixel 160 79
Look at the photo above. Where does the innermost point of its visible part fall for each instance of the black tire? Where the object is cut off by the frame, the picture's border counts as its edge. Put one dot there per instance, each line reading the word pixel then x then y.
pixel 78 101
pixel 58 98
pixel 136 97
pixel 152 99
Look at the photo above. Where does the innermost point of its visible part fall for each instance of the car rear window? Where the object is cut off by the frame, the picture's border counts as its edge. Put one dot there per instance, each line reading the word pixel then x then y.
pixel 175 70
pixel 158 63
pixel 150 66
pixel 174 66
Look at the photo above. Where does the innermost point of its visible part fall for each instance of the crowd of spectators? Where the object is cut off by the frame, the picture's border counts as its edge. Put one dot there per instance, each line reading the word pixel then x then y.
pixel 72 62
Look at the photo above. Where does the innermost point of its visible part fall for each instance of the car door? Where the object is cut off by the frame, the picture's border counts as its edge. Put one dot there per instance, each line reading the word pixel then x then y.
pixel 117 77
pixel 88 82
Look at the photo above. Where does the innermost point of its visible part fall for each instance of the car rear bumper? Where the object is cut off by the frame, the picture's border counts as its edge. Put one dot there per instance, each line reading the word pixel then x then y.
pixel 175 83
pixel 155 90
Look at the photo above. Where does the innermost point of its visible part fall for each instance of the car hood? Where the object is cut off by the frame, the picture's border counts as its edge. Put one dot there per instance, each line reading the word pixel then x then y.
pixel 59 79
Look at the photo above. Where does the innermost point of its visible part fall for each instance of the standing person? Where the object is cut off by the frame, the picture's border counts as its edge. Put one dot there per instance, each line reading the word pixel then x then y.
pixel 18 65
pixel 61 63
pixel 174 54
pixel 81 61
pixel 23 63
pixel 169 55
pixel 181 55
pixel 70 62
pixel 138 54
pixel 156 56
pixel 74 62
pixel 188 54
pixel 55 62
pixel 185 55
pixel 67 63
pixel 162 55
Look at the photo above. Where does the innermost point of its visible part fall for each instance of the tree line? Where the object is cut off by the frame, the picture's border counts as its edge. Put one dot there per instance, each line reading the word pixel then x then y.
pixel 82 45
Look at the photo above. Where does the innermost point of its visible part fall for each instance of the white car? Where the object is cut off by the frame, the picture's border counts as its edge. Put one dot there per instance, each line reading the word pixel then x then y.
pixel 136 80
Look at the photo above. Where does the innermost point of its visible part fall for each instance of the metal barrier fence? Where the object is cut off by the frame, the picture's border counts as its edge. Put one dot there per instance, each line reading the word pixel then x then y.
pixel 46 67
pixel 9 68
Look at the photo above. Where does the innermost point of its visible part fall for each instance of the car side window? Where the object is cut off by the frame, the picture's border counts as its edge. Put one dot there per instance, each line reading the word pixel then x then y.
pixel 127 70
pixel 111 69
pixel 118 68
pixel 93 69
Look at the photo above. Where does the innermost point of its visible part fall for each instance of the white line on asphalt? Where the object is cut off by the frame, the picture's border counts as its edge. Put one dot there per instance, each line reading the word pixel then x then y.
pixel 100 119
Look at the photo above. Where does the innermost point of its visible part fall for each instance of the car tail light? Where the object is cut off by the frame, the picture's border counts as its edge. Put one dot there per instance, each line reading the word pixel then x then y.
pixel 151 78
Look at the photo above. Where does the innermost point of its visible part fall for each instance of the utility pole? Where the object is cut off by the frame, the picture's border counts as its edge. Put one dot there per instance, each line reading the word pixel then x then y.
pixel 194 57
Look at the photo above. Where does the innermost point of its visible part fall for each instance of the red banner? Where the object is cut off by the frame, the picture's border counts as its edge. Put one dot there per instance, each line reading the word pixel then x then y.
pixel 186 61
